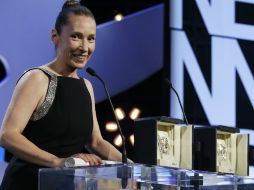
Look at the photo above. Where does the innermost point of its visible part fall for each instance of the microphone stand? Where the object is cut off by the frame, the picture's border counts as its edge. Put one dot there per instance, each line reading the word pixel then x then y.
pixel 123 172
pixel 124 153
pixel 183 112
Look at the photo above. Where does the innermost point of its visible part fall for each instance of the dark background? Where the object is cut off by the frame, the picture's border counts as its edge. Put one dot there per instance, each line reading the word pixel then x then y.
pixel 151 95
pixel 105 10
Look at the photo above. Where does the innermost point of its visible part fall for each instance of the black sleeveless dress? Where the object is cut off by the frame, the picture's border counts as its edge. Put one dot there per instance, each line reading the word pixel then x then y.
pixel 62 126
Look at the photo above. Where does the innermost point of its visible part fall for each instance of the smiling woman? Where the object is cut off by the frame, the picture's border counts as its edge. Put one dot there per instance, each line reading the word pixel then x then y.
pixel 75 42
pixel 52 116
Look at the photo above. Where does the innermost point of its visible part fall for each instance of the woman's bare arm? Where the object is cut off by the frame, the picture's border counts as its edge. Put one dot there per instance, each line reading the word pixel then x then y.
pixel 28 94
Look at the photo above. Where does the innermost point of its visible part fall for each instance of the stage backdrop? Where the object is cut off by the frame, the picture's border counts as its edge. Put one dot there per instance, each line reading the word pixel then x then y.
pixel 127 52
pixel 212 56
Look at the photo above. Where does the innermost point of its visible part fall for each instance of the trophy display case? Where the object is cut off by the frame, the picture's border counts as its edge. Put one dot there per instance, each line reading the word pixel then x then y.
pixel 163 141
pixel 221 149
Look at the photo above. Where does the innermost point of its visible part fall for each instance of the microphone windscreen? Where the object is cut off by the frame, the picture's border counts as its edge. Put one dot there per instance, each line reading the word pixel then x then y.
pixel 167 82
pixel 91 71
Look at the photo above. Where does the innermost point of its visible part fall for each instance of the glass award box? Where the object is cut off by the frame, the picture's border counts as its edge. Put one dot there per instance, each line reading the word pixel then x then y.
pixel 163 141
pixel 221 149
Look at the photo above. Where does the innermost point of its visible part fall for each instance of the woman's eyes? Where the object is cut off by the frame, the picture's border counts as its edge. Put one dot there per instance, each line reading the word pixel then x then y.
pixel 79 37
pixel 92 38
pixel 75 37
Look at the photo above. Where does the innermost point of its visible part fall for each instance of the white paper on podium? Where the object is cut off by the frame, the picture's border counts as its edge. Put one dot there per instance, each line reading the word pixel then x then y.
pixel 77 162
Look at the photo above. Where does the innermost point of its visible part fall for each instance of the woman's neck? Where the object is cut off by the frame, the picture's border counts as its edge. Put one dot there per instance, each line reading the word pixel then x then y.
pixel 62 70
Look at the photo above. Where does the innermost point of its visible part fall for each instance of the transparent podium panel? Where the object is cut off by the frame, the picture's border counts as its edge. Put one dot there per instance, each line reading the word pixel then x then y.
pixel 87 178
pixel 163 177
pixel 138 176
pixel 245 183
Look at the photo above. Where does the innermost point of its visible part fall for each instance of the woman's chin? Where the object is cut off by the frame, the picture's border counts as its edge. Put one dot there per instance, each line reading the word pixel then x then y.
pixel 79 65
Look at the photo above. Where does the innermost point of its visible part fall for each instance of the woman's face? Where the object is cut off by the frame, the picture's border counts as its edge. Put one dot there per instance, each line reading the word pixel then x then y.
pixel 76 42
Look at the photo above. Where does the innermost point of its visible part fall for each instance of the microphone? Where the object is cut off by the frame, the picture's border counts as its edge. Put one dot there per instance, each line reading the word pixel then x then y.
pixel 171 87
pixel 124 154
pixel 123 172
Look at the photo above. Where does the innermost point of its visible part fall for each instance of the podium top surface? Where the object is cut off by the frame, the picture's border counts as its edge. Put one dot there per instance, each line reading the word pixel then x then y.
pixel 162 118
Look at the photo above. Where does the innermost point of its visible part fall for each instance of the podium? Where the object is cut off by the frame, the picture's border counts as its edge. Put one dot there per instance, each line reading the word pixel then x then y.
pixel 142 177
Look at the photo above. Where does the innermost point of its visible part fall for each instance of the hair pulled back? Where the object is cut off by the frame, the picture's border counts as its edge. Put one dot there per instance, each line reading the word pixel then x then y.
pixel 71 7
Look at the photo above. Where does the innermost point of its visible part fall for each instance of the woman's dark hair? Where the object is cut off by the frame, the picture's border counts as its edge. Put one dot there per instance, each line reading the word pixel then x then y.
pixel 71 7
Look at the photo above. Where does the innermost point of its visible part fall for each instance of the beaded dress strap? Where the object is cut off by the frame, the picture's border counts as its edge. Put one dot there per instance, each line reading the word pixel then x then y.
pixel 50 96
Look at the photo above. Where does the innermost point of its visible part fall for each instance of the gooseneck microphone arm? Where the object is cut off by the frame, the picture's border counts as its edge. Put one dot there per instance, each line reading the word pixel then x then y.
pixel 124 153
pixel 171 86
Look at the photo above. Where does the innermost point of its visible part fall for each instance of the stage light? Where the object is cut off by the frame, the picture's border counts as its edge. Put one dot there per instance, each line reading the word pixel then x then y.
pixel 131 138
pixel 118 141
pixel 111 126
pixel 134 113
pixel 119 17
pixel 119 113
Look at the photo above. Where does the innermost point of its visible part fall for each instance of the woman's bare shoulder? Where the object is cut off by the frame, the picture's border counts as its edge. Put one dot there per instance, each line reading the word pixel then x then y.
pixel 34 77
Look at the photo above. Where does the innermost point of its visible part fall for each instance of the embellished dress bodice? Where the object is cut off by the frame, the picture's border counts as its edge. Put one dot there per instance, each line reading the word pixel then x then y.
pixel 61 126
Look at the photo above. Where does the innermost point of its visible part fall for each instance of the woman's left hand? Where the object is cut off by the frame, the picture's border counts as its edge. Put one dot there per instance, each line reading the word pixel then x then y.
pixel 91 158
